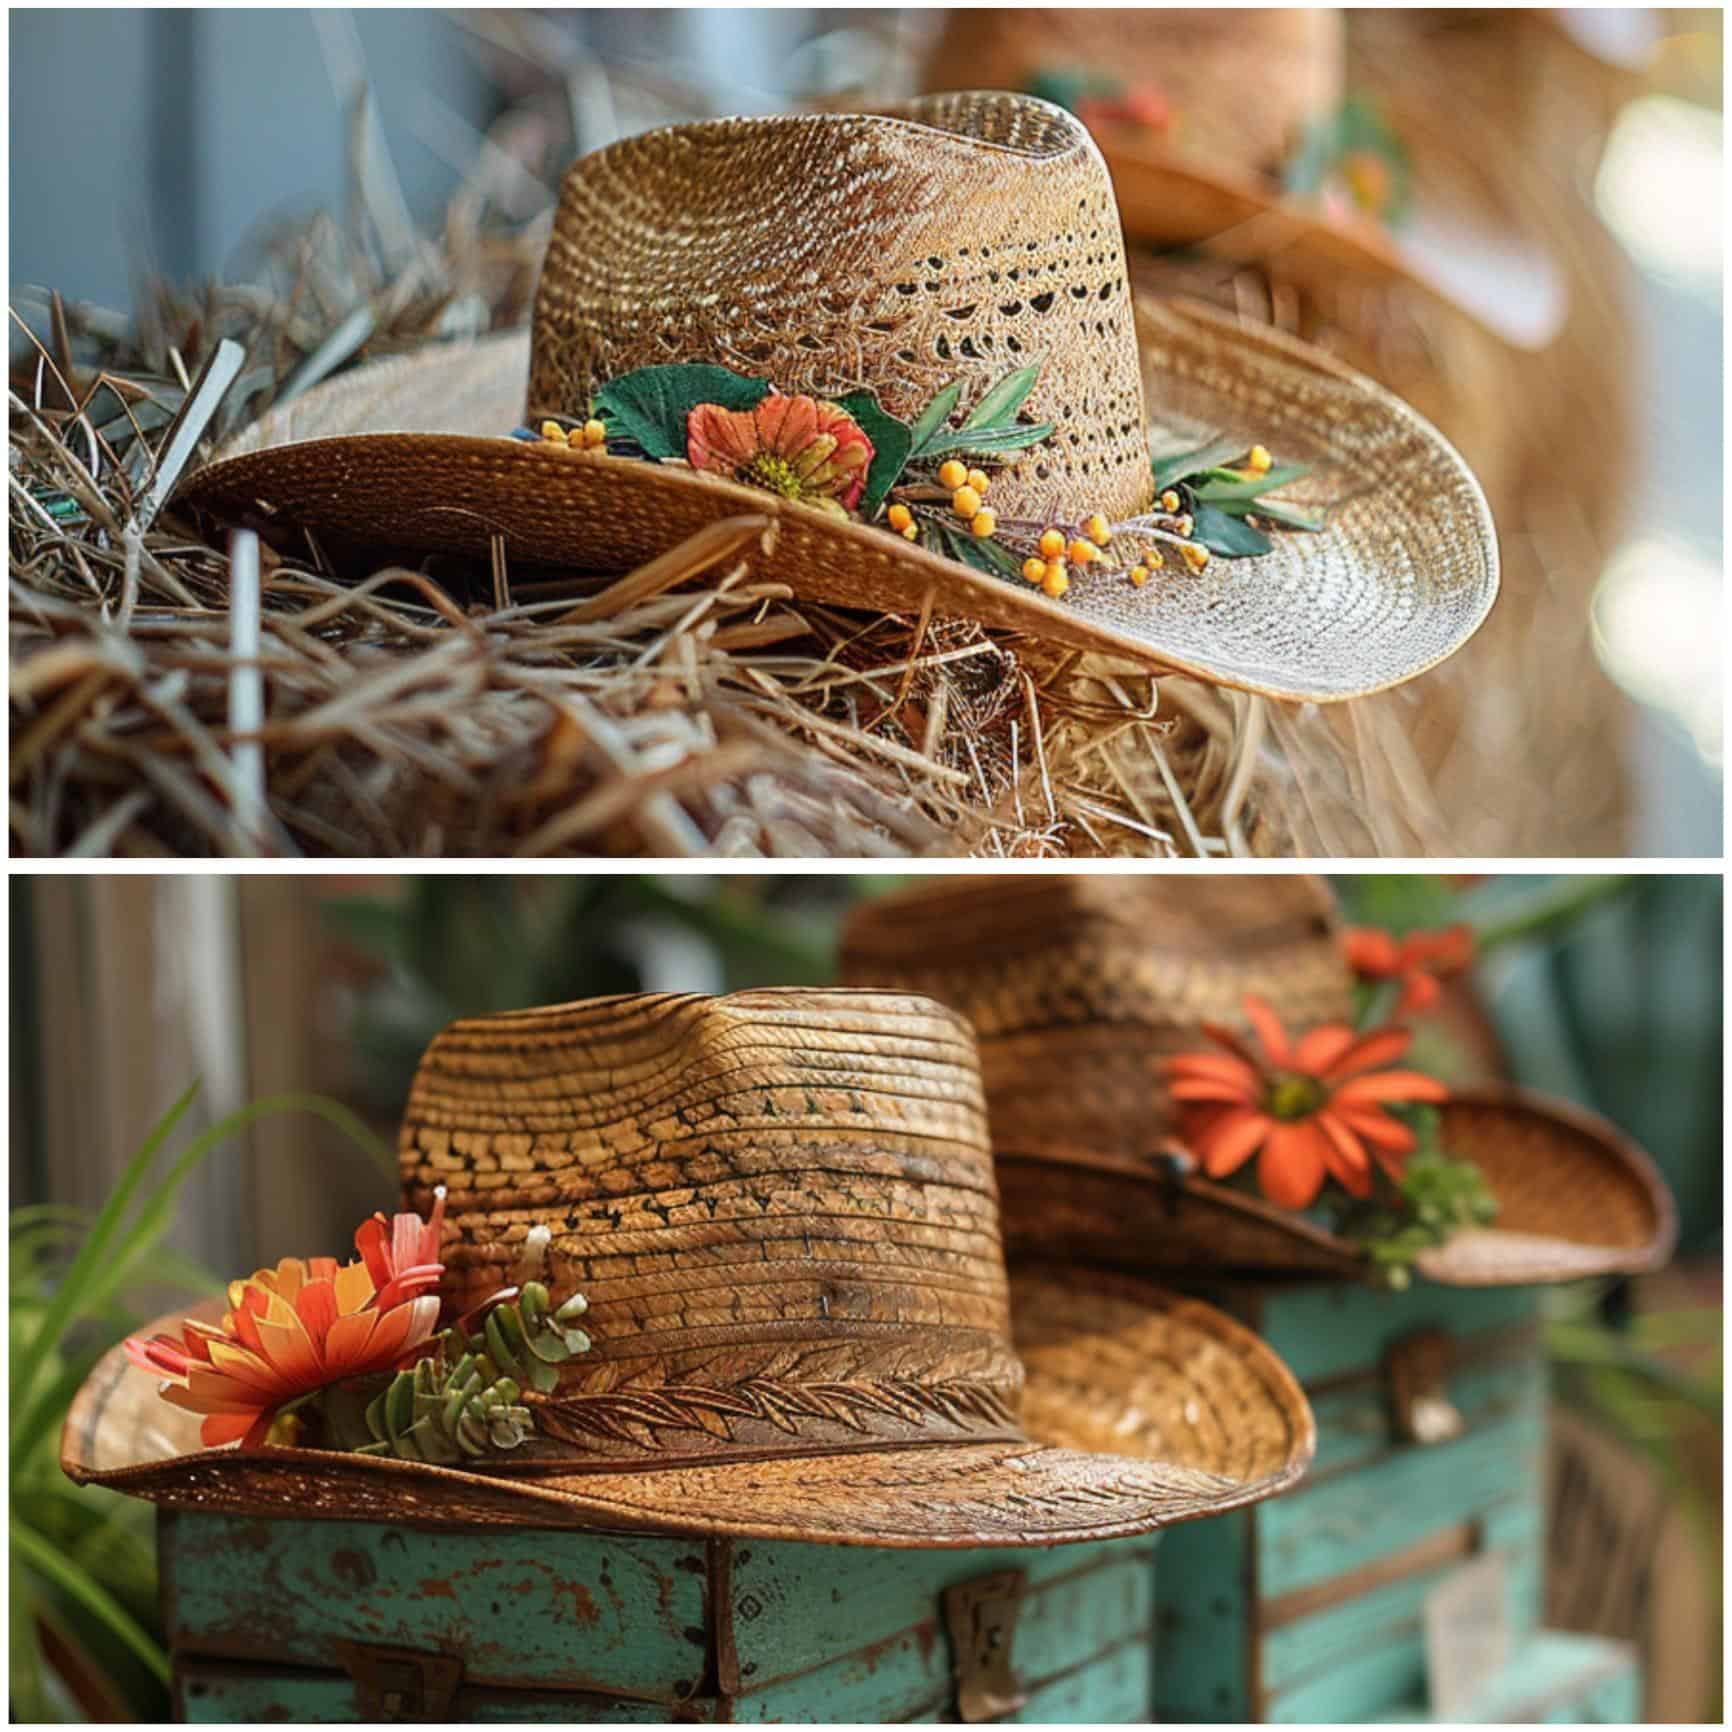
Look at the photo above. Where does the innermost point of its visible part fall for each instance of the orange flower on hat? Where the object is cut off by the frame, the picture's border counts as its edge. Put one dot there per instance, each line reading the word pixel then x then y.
pixel 800 447
pixel 295 1329
pixel 1418 961
pixel 1310 1110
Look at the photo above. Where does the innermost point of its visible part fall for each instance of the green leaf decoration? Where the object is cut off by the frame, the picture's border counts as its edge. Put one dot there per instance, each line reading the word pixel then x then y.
pixel 1225 485
pixel 650 406
pixel 934 416
pixel 893 443
pixel 1066 87
pixel 1169 471
pixel 1355 129
pixel 1437 1196
pixel 1227 535
pixel 465 1400
pixel 987 441
pixel 1310 518
pixel 981 552
pixel 1001 403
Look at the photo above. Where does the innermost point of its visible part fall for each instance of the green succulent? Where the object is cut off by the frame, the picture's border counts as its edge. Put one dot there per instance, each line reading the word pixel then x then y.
pixel 465 1399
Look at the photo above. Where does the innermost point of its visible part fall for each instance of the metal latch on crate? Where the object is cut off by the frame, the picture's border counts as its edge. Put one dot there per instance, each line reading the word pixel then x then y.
pixel 401 1684
pixel 981 1615
pixel 1417 1370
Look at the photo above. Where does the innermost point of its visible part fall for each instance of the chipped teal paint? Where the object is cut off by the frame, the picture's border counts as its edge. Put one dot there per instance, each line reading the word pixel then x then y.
pixel 1230 1642
pixel 521 1608
pixel 1328 1647
pixel 1075 1608
pixel 1325 1329
pixel 1330 1526
pixel 556 1625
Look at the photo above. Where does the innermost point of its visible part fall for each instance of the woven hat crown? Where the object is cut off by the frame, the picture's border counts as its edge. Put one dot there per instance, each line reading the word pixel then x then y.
pixel 779 1204
pixel 1092 980
pixel 957 238
pixel 1241 84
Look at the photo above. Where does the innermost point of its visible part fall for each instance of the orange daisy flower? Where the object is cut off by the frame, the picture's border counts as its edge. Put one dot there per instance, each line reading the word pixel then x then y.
pixel 295 1329
pixel 1417 961
pixel 1309 1109
pixel 800 447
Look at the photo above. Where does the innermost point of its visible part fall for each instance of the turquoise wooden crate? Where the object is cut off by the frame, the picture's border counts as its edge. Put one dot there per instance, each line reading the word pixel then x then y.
pixel 1309 1607
pixel 343 1621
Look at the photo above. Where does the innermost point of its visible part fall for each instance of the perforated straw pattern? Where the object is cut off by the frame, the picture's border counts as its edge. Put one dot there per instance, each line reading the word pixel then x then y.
pixel 958 237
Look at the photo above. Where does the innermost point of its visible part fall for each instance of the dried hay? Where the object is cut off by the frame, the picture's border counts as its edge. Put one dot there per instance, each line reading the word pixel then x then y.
pixel 680 710
pixel 1519 744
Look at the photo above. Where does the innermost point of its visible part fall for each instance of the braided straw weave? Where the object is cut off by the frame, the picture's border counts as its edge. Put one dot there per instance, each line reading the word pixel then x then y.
pixel 1078 987
pixel 781 1207
pixel 964 238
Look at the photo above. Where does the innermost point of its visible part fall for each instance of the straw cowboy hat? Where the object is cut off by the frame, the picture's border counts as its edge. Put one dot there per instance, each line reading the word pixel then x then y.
pixel 1079 988
pixel 1227 130
pixel 780 1207
pixel 799 316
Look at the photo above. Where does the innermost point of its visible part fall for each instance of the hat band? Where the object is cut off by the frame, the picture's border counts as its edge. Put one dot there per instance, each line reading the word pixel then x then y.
pixel 764 1417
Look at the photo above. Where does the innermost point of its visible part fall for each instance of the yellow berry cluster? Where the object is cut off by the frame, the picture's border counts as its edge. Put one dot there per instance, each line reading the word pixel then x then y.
pixel 967 491
pixel 1059 551
pixel 591 436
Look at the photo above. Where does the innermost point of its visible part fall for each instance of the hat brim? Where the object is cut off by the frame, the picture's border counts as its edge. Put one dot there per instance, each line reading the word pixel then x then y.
pixel 1575 1200
pixel 394 457
pixel 1506 283
pixel 1143 1409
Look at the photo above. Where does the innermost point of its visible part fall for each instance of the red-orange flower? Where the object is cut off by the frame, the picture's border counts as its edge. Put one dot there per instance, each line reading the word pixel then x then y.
pixel 1418 961
pixel 1143 105
pixel 292 1330
pixel 1310 1109
pixel 800 447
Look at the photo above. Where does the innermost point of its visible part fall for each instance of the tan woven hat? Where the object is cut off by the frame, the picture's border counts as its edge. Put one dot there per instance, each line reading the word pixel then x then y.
pixel 1078 988
pixel 1241 91
pixel 780 1206
pixel 896 265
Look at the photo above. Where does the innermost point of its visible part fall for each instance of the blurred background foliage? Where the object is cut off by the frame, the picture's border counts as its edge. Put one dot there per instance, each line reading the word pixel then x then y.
pixel 1603 989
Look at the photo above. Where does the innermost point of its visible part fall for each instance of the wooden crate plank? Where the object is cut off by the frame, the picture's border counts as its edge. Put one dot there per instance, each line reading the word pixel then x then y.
pixel 1205 1592
pixel 1555 1678
pixel 1328 1528
pixel 799 1606
pixel 624 1616
pixel 1063 1622
pixel 1329 1329
pixel 1353 1424
pixel 1312 1670
pixel 217 1695
pixel 1114 1690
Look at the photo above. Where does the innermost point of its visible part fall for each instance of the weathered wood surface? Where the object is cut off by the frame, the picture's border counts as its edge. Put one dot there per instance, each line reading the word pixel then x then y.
pixel 1556 1679
pixel 618 1628
pixel 1310 1606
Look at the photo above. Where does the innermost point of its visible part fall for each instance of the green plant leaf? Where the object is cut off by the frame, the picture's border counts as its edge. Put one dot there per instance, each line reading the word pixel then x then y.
pixel 1226 535
pixel 1219 491
pixel 1002 401
pixel 988 441
pixel 981 552
pixel 892 442
pixel 934 416
pixel 90 1282
pixel 51 1565
pixel 1277 511
pixel 71 1294
pixel 650 406
pixel 1169 471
